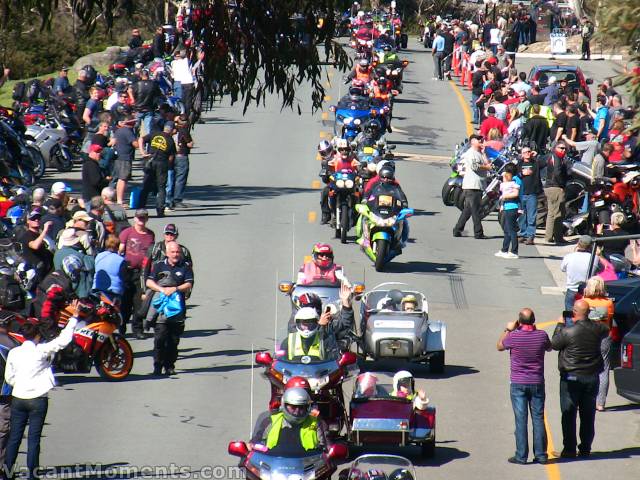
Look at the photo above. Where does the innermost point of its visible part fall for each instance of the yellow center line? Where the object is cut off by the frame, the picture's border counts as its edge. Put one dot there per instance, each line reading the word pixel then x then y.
pixel 318 157
pixel 465 108
pixel 316 184
pixel 552 469
pixel 547 324
pixel 307 258
pixel 325 135
pixel 325 115
pixel 311 217
pixel 327 98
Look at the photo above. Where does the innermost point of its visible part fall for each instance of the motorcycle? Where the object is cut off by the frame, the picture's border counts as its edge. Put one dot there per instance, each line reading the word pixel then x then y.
pixel 350 114
pixel 50 138
pixel 95 340
pixel 343 195
pixel 20 156
pixel 325 377
pixel 259 464
pixel 380 229
pixel 385 464
pixel 393 71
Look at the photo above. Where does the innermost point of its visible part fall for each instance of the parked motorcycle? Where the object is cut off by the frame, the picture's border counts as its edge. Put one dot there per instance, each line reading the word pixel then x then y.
pixel 20 158
pixel 50 138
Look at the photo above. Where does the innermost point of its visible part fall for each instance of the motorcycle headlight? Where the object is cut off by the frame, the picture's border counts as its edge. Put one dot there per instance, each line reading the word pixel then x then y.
pixel 388 72
pixel 347 120
pixel 396 71
pixel 340 183
pixel 348 183
pixel 357 121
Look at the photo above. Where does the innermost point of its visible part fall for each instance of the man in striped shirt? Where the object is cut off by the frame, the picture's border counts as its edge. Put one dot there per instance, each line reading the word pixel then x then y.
pixel 527 347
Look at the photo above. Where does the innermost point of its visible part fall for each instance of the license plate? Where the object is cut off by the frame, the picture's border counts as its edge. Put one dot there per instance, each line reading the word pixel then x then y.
pixel 599 203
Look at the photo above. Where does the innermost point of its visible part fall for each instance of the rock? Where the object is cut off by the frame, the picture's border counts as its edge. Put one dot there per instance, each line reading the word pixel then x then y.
pixel 99 59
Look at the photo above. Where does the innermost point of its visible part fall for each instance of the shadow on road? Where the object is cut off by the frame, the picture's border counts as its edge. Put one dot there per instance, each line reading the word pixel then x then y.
pixel 402 142
pixel 222 121
pixel 239 192
pixel 214 369
pixel 443 454
pixel 623 408
pixel 66 380
pixel 630 452
pixel 410 100
pixel 228 353
pixel 417 212
pixel 206 332
pixel 419 370
pixel 421 267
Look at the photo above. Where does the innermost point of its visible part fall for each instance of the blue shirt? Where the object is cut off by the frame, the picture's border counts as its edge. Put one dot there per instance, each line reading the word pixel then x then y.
pixel 109 273
pixel 61 85
pixel 513 204
pixel 602 115
pixel 438 44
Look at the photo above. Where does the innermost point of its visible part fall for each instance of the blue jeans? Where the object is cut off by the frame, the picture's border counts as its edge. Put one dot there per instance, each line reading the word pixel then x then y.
pixel 177 89
pixel 474 108
pixel 146 119
pixel 181 169
pixel 525 398
pixel 578 395
pixel 32 411
pixel 510 225
pixel 169 189
pixel 569 300
pixel 528 217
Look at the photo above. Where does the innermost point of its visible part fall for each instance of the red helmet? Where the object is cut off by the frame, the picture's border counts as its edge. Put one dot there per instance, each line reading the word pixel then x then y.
pixel 325 251
pixel 299 382
pixel 309 299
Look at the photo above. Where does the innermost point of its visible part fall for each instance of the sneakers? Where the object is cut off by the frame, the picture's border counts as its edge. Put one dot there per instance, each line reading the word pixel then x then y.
pixel 502 254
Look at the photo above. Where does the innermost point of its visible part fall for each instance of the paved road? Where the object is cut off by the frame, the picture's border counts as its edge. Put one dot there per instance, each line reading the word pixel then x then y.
pixel 255 216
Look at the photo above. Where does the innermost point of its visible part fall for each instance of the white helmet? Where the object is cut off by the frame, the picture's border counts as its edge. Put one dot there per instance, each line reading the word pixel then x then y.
pixel 307 321
pixel 361 14
pixel 342 143
pixel 381 164
pixel 403 378
pixel 296 404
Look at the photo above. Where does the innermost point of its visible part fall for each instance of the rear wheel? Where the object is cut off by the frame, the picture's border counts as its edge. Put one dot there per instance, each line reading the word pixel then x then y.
pixel 382 248
pixel 436 363
pixel 63 161
pixel 447 190
pixel 38 162
pixel 344 223
pixel 115 363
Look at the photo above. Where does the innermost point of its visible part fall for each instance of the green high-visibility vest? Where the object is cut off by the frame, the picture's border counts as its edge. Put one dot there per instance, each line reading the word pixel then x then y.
pixel 295 348
pixel 308 432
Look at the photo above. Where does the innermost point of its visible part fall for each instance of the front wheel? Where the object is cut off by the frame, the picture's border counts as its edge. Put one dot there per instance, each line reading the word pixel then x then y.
pixel 114 361
pixel 38 162
pixel 62 160
pixel 344 223
pixel 382 248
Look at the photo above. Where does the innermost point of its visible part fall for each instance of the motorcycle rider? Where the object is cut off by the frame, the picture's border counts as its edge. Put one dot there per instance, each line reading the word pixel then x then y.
pixel 386 182
pixel 54 292
pixel 326 152
pixel 308 339
pixel 321 268
pixel 291 432
pixel 404 387
pixel 382 93
pixel 409 303
pixel 362 72
pixel 371 134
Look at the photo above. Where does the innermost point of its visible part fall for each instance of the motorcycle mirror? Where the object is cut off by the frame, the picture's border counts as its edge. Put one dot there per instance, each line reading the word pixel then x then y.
pixel 405 63
pixel 238 449
pixel 264 358
pixel 285 287
pixel 347 358
pixel 338 451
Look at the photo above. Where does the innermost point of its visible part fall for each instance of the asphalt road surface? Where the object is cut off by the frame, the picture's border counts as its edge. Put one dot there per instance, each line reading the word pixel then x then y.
pixel 253 187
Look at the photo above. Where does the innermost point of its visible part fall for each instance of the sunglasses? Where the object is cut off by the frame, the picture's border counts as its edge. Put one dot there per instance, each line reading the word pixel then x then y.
pixel 526 151
pixel 561 148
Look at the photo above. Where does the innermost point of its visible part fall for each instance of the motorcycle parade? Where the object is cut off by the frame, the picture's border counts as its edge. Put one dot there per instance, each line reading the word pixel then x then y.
pixel 328 342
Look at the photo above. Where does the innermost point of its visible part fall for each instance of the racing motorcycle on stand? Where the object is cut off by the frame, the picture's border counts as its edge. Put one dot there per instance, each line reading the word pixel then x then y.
pixel 382 229
pixel 96 340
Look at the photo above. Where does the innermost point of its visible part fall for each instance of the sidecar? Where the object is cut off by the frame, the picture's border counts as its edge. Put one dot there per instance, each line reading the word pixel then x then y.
pixel 387 332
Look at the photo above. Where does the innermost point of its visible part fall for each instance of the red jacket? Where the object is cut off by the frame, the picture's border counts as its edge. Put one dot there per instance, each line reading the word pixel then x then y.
pixel 492 122
pixel 313 273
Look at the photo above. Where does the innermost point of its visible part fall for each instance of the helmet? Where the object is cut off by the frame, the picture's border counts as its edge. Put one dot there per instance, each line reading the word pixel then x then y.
pixel 342 143
pixel 387 173
pixel 366 383
pixel 355 93
pixel 325 148
pixel 403 379
pixel 296 404
pixel 395 296
pixel 382 83
pixel 306 321
pixel 409 299
pixel 297 382
pixel 72 266
pixel 363 62
pixel 309 299
pixel 375 474
pixel 323 249
pixel 373 126
pixel 401 474
pixel 387 47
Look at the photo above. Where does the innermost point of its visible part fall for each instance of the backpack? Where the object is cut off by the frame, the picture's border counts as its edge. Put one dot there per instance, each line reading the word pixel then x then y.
pixel 19 92
pixel 92 74
pixel 34 90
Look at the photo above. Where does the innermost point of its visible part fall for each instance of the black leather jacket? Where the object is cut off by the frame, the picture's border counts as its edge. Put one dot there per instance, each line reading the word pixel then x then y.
pixel 579 347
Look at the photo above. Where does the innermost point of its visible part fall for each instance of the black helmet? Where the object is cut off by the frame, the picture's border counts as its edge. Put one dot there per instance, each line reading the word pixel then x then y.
pixel 401 474
pixel 373 126
pixel 395 297
pixel 356 92
pixel 388 173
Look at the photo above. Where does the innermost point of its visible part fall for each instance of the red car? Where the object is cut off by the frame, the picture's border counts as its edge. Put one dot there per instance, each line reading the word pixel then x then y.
pixel 574 76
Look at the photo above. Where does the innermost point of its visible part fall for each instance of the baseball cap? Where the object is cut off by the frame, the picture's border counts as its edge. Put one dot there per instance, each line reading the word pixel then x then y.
pixel 64 68
pixel 35 213
pixel 82 215
pixel 171 229
pixel 95 148
pixel 59 187
pixel 141 213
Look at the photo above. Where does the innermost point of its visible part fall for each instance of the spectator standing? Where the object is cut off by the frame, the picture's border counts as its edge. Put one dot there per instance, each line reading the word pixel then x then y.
pixel 111 269
pixel 144 94
pixel 157 46
pixel 601 309
pixel 81 91
pixel 551 92
pixel 475 165
pixel 477 87
pixel 134 243
pixel 135 41
pixel 537 129
pixel 115 215
pixel 586 33
pixel 559 126
pixel 601 118
pixel 183 81
pixel 28 371
pixel 492 122
pixel 93 179
pixel 572 126
pixel 521 84
pixel 55 215
pixel 437 52
pixel 527 347
pixel 495 38
pixel 529 172
pixel 126 144
pixel 34 247
pixel 449 41
pixel 6 344
pixel 157 165
pixel 554 191
pixel 510 200
pixel 580 363
pixel 576 265
pixel 169 277
pixel 61 85
pixel 184 143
